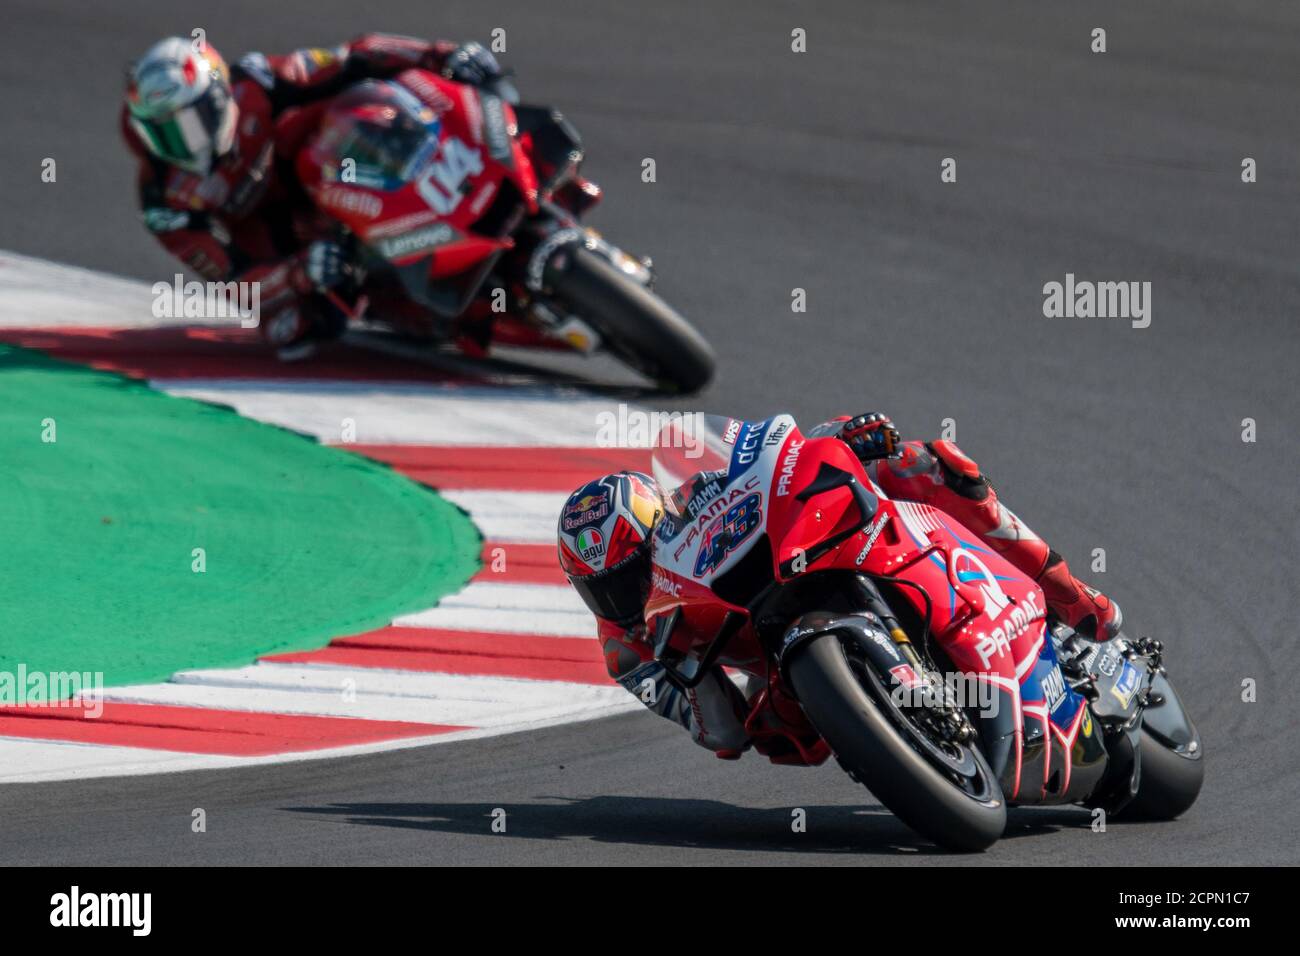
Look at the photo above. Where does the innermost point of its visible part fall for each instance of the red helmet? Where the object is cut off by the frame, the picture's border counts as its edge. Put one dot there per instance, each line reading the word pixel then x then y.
pixel 604 543
pixel 181 105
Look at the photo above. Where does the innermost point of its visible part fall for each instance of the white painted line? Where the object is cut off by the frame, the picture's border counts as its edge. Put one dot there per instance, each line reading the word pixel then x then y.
pixel 542 598
pixel 37 761
pixel 453 711
pixel 510 620
pixel 22 759
pixel 410 414
pixel 414 685
pixel 528 517
pixel 38 293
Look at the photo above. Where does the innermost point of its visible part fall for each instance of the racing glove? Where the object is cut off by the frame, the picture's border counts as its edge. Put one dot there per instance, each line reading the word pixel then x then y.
pixel 871 436
pixel 472 63
pixel 323 266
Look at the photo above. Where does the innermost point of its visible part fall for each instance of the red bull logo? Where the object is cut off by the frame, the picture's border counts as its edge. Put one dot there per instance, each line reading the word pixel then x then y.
pixel 586 510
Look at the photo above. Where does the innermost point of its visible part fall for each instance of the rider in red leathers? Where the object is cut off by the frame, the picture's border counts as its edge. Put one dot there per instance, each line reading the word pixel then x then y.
pixel 605 549
pixel 215 144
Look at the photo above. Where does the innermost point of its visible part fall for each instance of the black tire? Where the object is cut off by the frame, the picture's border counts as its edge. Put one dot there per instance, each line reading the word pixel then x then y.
pixel 876 754
pixel 1170 782
pixel 639 328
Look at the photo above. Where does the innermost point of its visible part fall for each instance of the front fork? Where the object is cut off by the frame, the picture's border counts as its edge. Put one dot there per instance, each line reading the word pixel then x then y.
pixel 952 718
pixel 557 235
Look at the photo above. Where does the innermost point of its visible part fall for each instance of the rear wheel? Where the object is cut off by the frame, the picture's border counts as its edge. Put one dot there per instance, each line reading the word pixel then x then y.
pixel 945 791
pixel 1169 784
pixel 638 327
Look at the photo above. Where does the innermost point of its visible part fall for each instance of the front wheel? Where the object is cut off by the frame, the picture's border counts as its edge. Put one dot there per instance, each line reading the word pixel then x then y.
pixel 638 327
pixel 946 792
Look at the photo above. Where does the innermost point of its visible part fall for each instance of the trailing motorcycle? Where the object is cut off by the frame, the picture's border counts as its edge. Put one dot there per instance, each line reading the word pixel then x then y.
pixel 462 212
pixel 883 633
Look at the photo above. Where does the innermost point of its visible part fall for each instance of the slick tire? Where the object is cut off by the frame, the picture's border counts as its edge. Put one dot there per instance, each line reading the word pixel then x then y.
pixel 876 754
pixel 1169 785
pixel 639 328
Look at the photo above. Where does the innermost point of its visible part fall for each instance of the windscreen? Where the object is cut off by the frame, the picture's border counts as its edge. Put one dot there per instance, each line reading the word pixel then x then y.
pixel 386 133
pixel 690 457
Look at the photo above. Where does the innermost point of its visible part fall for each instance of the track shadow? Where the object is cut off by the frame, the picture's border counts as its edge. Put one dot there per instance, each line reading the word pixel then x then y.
pixel 505 367
pixel 223 351
pixel 682 823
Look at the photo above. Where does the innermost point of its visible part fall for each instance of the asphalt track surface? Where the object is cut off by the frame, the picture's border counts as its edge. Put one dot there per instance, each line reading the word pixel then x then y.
pixel 821 171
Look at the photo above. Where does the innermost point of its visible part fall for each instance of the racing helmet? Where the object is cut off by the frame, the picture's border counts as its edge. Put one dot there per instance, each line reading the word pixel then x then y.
pixel 604 543
pixel 180 104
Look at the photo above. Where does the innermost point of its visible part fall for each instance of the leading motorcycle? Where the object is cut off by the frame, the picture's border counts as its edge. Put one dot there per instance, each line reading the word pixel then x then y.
pixel 461 210
pixel 883 632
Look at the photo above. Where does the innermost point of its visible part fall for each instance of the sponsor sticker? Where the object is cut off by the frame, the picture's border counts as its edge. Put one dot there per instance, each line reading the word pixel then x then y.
pixel 702 497
pixel 886 643
pixel 591 545
pixel 873 532
pixel 662 582
pixel 787 469
pixel 416 241
pixel 775 436
pixel 1126 684
pixel 997 643
pixel 352 200
pixel 495 135
pixel 589 509
pixel 904 674
pixel 1054 688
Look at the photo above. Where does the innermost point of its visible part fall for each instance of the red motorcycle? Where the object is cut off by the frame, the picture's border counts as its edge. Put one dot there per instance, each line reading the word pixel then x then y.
pixel 882 632
pixel 462 212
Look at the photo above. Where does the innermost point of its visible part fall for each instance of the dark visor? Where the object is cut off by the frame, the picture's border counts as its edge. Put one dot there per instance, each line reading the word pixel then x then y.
pixel 617 594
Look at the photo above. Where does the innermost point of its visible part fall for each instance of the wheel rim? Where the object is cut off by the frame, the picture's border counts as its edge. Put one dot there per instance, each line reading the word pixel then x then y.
pixel 956 762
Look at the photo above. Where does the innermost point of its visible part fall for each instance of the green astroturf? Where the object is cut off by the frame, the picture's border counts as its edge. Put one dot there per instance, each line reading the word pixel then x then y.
pixel 98 531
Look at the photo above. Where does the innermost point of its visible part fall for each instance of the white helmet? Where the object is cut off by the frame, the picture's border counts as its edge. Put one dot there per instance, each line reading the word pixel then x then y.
pixel 181 105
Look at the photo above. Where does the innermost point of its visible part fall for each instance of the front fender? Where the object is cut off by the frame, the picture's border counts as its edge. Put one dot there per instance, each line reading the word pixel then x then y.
pixel 864 629
pixel 997 728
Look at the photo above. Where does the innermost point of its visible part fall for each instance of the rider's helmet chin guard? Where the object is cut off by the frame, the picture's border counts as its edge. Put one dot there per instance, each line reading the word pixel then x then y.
pixel 180 104
pixel 604 543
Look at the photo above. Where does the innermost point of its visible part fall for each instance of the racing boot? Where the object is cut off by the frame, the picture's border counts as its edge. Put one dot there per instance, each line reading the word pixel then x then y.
pixel 938 473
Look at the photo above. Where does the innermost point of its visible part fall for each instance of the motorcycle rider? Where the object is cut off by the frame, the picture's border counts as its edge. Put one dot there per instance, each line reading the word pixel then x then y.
pixel 215 145
pixel 605 550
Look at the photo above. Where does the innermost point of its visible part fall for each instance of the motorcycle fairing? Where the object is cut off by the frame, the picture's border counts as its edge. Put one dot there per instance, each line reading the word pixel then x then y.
pixel 1063 748
pixel 418 220
pixel 988 617
pixel 722 511
pixel 991 621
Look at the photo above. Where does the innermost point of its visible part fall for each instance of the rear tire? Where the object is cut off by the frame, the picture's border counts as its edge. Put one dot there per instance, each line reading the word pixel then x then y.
pixel 876 754
pixel 1169 784
pixel 638 327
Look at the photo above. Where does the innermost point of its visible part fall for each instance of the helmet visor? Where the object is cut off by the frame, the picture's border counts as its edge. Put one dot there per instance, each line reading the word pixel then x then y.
pixel 617 594
pixel 194 135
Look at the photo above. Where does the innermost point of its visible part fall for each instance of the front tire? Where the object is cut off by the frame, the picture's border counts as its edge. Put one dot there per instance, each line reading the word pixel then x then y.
pixel 639 328
pixel 878 755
